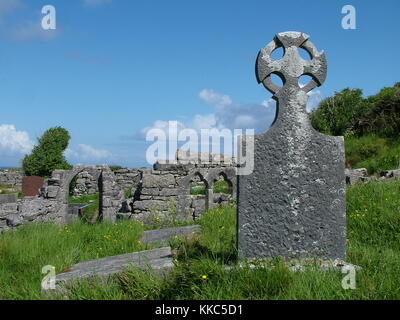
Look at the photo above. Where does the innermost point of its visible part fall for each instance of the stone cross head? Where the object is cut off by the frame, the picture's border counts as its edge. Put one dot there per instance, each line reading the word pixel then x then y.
pixel 291 66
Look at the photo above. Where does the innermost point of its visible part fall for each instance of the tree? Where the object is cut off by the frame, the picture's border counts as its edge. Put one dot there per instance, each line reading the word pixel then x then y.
pixel 48 155
pixel 336 115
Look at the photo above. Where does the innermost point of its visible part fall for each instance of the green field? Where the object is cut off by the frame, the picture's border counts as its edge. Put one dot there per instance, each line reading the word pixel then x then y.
pixel 373 217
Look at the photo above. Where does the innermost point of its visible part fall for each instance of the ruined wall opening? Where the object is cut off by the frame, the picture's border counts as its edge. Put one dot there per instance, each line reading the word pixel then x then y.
pixel 222 189
pixel 198 190
pixel 85 196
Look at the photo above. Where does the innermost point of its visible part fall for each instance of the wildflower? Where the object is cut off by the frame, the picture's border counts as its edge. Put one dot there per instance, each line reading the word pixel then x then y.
pixel 204 277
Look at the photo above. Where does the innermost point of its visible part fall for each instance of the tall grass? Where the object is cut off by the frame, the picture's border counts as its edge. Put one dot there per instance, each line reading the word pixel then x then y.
pixel 25 251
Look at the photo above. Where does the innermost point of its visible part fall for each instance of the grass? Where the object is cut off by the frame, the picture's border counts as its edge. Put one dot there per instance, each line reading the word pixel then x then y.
pixel 374 153
pixel 128 193
pixel 197 188
pixel 373 216
pixel 25 251
pixel 6 189
pixel 222 186
pixel 91 212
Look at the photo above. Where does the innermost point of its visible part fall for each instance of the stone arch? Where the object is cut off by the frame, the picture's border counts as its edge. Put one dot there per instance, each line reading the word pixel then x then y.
pixel 95 172
pixel 110 198
pixel 197 177
pixel 229 174
pixel 190 206
pixel 222 176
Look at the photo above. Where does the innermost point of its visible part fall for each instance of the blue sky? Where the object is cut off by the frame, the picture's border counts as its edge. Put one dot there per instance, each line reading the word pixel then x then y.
pixel 115 68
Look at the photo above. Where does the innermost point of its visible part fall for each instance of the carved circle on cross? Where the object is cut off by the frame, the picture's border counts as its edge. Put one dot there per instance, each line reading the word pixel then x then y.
pixel 291 66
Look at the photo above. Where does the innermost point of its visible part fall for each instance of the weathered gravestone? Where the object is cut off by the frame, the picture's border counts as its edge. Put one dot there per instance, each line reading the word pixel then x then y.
pixel 293 203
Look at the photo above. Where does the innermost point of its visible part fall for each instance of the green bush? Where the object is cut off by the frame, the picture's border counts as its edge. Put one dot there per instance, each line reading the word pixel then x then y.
pixel 348 114
pixel 335 115
pixel 48 155
pixel 373 153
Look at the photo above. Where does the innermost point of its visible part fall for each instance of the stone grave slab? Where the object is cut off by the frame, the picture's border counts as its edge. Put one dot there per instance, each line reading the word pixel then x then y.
pixel 158 261
pixel 164 235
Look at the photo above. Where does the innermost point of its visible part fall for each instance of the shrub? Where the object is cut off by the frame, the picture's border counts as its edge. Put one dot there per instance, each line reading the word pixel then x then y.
pixel 335 115
pixel 348 114
pixel 48 155
pixel 373 153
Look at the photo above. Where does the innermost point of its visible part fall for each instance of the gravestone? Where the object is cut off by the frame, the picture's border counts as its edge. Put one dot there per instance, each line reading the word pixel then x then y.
pixel 293 203
pixel 159 261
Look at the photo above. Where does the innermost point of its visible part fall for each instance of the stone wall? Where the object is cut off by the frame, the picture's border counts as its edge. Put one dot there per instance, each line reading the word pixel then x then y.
pixel 11 178
pixel 165 192
pixel 354 176
pixel 52 204
pixel 87 184
pixel 156 194
pixel 127 178
pixel 14 214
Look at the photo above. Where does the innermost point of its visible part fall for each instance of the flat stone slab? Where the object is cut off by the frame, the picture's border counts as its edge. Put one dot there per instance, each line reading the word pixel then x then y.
pixel 8 198
pixel 156 260
pixel 163 235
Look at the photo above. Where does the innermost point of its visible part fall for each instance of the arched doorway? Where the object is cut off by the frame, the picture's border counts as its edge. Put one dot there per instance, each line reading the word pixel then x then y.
pixel 199 193
pixel 85 194
pixel 222 190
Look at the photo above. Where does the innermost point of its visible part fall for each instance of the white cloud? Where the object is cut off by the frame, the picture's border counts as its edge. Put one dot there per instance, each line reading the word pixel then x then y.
pixel 215 98
pixel 14 142
pixel 200 121
pixel 162 125
pixel 270 103
pixel 95 3
pixel 314 99
pixel 87 153
pixel 26 27
pixel 32 30
pixel 228 114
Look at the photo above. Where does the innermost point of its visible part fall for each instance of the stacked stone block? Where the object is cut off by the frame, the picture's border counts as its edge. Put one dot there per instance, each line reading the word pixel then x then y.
pixel 11 178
